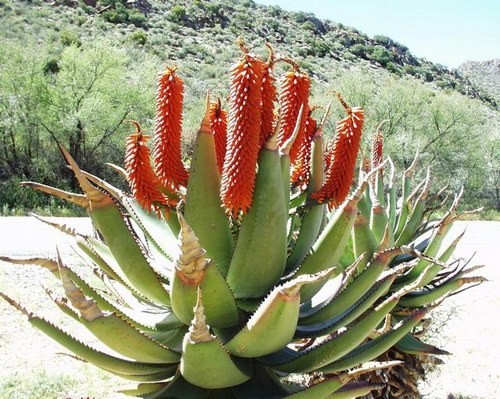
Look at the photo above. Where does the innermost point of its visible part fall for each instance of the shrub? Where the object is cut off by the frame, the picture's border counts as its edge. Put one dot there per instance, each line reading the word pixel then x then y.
pixel 177 13
pixel 358 50
pixel 137 18
pixel 309 26
pixel 69 38
pixel 381 55
pixel 119 15
pixel 138 37
pixel 51 66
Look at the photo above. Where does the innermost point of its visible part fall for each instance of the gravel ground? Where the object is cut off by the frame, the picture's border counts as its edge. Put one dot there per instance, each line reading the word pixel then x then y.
pixel 473 330
pixel 472 371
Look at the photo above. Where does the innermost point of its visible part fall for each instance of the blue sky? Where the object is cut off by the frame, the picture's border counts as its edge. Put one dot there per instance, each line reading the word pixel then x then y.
pixel 448 32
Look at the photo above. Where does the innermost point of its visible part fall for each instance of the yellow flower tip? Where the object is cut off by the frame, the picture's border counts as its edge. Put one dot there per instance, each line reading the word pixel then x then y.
pixel 344 104
pixel 241 44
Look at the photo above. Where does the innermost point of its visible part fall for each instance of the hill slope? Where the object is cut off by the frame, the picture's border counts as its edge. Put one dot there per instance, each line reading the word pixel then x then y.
pixel 73 72
pixel 199 30
pixel 485 75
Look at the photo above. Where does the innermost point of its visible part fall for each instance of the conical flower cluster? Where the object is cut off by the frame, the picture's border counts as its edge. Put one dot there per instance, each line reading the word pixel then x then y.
pixel 218 125
pixel 342 158
pixel 243 134
pixel 168 129
pixel 144 183
pixel 301 168
pixel 269 96
pixel 294 94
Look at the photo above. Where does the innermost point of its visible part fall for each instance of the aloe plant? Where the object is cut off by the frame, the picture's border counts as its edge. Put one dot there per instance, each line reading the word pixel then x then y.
pixel 257 261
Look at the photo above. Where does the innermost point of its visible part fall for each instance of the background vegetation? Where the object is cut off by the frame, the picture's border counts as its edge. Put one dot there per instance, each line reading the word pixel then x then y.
pixel 73 72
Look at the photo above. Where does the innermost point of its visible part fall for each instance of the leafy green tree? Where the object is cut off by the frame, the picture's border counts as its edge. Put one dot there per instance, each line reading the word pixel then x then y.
pixel 447 128
pixel 82 105
pixel 21 138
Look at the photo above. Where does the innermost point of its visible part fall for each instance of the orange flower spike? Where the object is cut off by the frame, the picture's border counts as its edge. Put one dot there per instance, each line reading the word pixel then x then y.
pixel 243 134
pixel 218 125
pixel 295 88
pixel 168 129
pixel 269 96
pixel 143 181
pixel 301 169
pixel 328 155
pixel 377 146
pixel 340 173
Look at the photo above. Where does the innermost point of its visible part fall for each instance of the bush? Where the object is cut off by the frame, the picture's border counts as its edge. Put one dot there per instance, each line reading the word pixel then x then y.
pixel 137 18
pixel 177 13
pixel 358 50
pixel 300 17
pixel 392 67
pixel 410 70
pixel 119 15
pixel 138 37
pixel 308 25
pixel 383 40
pixel 51 66
pixel 69 38
pixel 381 55
pixel 320 48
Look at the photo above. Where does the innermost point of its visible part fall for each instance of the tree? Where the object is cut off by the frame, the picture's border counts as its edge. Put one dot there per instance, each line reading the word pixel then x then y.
pixel 81 105
pixel 21 90
pixel 454 134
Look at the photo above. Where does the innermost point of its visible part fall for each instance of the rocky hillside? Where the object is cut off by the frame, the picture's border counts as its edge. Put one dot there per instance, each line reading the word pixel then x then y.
pixel 196 30
pixel 73 71
pixel 484 75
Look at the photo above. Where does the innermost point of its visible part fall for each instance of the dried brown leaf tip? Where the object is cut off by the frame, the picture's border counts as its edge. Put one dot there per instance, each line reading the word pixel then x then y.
pixel 218 126
pixel 243 133
pixel 144 184
pixel 295 87
pixel 344 151
pixel 168 129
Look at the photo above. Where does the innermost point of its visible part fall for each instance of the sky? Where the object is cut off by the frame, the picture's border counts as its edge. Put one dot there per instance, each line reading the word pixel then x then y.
pixel 448 32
